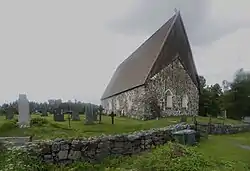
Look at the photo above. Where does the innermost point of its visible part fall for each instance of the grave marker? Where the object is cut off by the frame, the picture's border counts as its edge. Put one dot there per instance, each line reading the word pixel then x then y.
pixel 89 114
pixel 59 116
pixel 112 115
pixel 23 111
pixel 75 116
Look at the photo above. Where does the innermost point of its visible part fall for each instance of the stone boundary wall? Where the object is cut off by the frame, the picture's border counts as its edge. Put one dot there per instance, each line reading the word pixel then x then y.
pixel 220 129
pixel 95 149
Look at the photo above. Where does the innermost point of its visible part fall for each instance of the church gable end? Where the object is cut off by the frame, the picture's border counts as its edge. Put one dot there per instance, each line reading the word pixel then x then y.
pixel 185 95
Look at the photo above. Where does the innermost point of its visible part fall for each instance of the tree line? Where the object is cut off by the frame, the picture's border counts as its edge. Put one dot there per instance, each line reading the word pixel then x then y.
pixel 49 106
pixel 232 97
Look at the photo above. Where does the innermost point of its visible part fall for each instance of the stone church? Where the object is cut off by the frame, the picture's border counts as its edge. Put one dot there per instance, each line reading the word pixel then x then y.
pixel 159 79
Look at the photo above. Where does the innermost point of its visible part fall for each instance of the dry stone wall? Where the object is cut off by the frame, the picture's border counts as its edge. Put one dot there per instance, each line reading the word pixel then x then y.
pixel 220 129
pixel 97 148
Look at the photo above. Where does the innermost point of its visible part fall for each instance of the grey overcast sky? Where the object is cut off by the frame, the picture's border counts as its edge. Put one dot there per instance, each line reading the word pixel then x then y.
pixel 70 49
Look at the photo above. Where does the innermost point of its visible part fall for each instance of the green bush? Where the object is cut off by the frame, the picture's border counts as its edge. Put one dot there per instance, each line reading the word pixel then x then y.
pixel 8 125
pixel 39 121
pixel 16 159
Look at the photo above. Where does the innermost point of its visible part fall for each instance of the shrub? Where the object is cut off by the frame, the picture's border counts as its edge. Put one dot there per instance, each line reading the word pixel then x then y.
pixel 38 121
pixel 8 125
pixel 17 159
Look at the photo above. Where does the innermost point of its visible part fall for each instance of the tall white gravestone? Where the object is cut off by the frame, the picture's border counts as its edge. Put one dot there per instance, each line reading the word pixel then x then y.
pixel 24 111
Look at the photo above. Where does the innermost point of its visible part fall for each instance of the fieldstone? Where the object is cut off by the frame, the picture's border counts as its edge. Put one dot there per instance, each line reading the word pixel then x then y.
pixel 74 155
pixel 62 155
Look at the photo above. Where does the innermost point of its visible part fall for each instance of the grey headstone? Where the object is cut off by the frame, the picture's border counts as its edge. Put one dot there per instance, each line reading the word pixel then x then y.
pixel 89 114
pixel 59 116
pixel 75 116
pixel 23 111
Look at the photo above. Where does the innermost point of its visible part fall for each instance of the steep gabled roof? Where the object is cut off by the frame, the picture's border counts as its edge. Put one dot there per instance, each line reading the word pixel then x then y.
pixel 134 71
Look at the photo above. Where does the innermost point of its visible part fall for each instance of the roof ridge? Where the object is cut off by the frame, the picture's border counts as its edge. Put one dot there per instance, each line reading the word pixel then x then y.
pixel 145 41
pixel 164 41
pixel 126 75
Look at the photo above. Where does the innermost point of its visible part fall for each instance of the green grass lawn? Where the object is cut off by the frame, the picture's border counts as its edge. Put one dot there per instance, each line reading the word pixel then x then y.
pixel 218 153
pixel 78 129
pixel 227 147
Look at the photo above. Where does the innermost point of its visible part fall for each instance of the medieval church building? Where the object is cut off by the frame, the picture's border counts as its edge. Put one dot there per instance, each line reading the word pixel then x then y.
pixel 158 80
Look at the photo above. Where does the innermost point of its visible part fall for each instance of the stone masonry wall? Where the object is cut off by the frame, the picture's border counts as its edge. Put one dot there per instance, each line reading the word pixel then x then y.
pixel 126 104
pixel 175 78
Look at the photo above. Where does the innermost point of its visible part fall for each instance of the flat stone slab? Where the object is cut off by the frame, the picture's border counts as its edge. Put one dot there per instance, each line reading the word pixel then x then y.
pixel 244 147
pixel 15 140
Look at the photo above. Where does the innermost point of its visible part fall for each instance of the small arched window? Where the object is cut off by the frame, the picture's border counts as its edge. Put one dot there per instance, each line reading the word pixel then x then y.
pixel 110 105
pixel 168 99
pixel 185 101
pixel 117 104
pixel 129 102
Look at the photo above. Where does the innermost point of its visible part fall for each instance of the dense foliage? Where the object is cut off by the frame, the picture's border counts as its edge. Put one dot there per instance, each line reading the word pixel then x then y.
pixel 49 106
pixel 234 97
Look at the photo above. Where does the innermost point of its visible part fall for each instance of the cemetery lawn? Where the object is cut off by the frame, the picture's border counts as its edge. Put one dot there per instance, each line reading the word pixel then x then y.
pixel 52 129
pixel 227 147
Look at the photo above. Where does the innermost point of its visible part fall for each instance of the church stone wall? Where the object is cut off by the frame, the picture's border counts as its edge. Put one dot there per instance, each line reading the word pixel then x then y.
pixel 127 104
pixel 174 78
pixel 135 103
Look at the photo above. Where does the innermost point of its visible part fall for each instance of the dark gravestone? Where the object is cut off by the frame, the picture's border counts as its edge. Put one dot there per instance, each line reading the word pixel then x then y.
pixel 75 116
pixel 89 114
pixel 9 114
pixel 59 116
pixel 112 115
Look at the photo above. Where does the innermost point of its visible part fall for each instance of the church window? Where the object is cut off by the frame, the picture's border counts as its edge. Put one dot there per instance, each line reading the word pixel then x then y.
pixel 117 104
pixel 185 101
pixel 168 99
